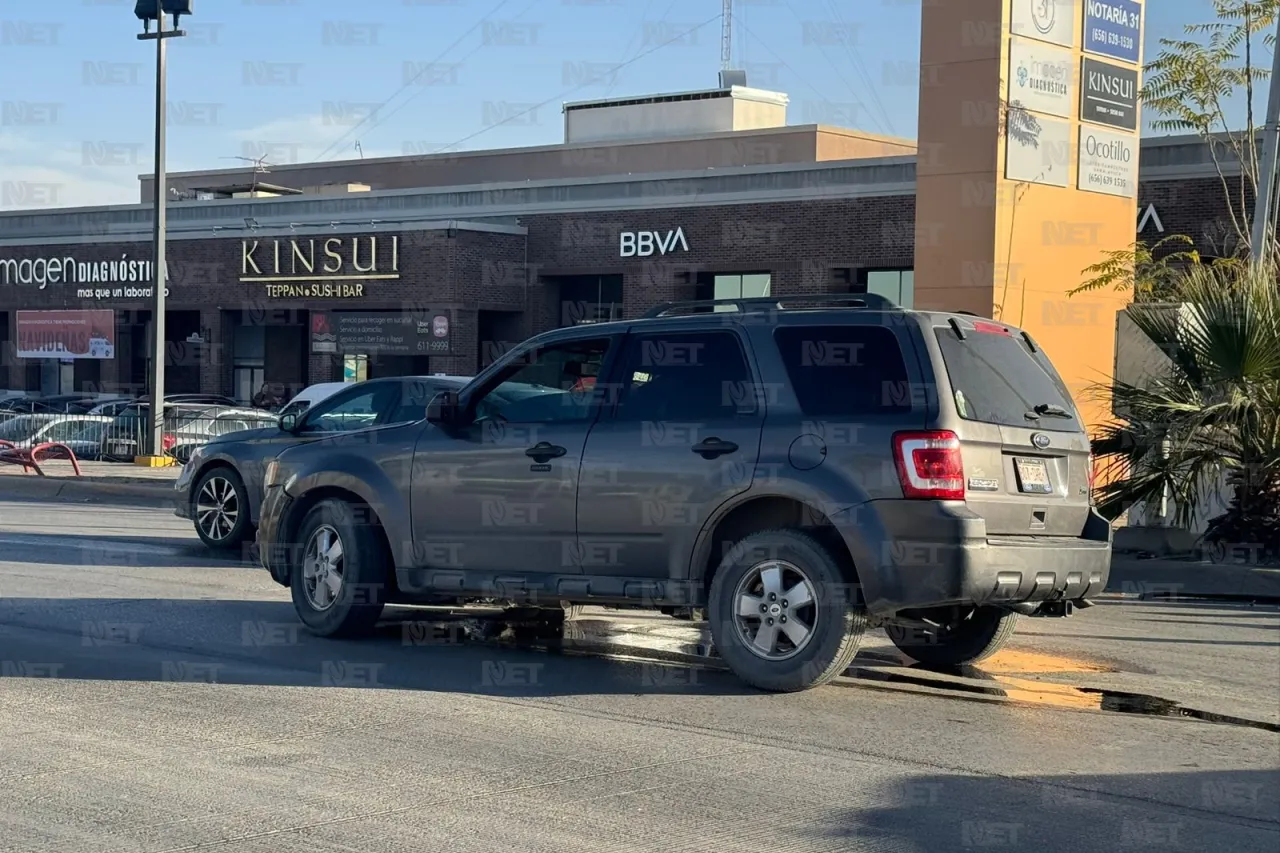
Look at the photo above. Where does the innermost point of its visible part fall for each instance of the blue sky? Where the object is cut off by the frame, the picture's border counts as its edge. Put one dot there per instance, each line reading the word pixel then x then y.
pixel 291 79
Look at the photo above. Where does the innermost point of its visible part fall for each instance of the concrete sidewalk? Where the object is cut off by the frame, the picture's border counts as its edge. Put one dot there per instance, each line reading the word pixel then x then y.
pixel 1168 578
pixel 105 482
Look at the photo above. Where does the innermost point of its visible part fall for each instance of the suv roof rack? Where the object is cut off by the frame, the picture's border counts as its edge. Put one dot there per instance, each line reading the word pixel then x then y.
pixel 869 301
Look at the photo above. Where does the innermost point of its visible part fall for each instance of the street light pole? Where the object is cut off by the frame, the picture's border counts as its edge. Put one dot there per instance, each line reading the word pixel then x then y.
pixel 155 431
pixel 1262 205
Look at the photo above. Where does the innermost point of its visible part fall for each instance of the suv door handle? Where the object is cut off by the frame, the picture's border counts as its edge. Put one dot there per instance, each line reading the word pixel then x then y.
pixel 712 447
pixel 545 451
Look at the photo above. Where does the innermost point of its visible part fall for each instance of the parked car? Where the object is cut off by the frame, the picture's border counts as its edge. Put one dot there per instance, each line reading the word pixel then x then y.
pixel 801 467
pixel 87 443
pixel 312 394
pixel 199 431
pixel 200 399
pixel 112 407
pixel 220 487
pixel 185 425
pixel 57 404
pixel 28 431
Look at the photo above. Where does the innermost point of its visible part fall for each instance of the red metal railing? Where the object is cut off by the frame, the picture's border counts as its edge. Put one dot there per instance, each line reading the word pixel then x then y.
pixel 29 458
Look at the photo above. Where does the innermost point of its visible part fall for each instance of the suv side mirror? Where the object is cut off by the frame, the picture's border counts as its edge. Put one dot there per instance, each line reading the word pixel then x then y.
pixel 289 422
pixel 443 409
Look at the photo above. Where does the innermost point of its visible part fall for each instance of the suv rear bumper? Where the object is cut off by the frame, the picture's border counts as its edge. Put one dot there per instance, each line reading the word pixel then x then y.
pixel 921 554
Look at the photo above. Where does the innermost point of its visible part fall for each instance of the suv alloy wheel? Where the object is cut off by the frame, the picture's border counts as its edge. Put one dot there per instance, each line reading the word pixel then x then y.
pixel 338 580
pixel 781 612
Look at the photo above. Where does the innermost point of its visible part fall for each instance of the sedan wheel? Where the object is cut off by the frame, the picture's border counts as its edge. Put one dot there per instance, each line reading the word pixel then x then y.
pixel 220 509
pixel 322 568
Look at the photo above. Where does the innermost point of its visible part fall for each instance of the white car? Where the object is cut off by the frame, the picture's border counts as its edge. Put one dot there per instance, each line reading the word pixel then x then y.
pixel 309 396
pixel 27 431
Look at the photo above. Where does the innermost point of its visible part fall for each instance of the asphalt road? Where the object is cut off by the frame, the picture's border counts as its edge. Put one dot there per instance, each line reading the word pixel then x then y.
pixel 156 699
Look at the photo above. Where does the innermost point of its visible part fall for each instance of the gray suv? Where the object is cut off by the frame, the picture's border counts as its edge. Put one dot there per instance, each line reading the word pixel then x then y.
pixel 802 468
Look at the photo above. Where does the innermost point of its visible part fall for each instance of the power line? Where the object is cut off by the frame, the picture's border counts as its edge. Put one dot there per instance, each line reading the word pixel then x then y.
pixel 562 95
pixel 822 50
pixel 384 117
pixel 341 140
pixel 608 90
pixel 782 61
pixel 861 67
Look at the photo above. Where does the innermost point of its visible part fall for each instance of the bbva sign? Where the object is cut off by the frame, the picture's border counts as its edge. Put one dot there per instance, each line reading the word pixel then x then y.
pixel 645 243
pixel 1150 217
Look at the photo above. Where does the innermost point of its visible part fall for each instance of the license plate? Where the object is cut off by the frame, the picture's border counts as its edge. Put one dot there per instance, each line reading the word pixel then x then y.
pixel 1033 476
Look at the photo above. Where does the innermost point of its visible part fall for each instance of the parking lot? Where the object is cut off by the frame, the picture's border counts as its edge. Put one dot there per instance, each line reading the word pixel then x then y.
pixel 158 699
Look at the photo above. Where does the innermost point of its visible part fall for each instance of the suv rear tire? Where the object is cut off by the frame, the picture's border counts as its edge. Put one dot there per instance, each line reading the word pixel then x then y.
pixel 341 595
pixel 750 612
pixel 965 641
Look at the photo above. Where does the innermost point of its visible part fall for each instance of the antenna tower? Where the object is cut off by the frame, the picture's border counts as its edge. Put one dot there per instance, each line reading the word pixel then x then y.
pixel 726 36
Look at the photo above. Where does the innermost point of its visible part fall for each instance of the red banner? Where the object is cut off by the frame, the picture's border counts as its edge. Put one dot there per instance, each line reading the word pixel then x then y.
pixel 66 334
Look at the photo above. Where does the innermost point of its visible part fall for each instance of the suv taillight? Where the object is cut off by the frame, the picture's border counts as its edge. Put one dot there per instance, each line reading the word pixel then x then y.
pixel 929 465
pixel 1093 476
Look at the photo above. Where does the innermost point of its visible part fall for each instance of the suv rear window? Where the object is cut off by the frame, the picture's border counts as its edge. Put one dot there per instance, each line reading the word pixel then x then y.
pixel 842 371
pixel 996 378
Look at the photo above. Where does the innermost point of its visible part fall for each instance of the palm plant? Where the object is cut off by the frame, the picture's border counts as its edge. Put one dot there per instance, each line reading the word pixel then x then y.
pixel 1214 413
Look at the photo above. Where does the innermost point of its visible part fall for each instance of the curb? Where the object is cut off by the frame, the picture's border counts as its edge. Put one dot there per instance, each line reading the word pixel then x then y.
pixel 1237 597
pixel 1230 597
pixel 61 488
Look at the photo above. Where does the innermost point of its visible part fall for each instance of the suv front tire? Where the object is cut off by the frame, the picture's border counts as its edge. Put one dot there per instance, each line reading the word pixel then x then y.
pixel 339 578
pixel 783 615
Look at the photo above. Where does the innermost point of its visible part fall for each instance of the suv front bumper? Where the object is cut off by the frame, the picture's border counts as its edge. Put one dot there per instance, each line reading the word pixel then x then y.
pixel 920 554
pixel 272 553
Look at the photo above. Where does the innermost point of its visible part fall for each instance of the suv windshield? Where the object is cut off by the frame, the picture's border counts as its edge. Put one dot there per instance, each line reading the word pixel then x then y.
pixel 996 378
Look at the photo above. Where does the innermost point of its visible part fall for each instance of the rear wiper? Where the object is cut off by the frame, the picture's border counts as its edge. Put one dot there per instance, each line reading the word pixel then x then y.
pixel 1047 410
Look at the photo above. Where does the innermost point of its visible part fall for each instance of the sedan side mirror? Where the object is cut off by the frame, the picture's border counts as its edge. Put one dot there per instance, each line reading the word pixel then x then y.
pixel 289 422
pixel 443 408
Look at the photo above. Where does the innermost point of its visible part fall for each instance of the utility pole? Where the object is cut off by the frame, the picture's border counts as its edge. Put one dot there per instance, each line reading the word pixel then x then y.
pixel 147 12
pixel 1262 205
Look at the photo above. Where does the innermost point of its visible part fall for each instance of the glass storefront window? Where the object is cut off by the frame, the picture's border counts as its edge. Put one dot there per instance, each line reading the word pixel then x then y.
pixel 249 346
pixel 899 286
pixel 745 286
pixel 355 368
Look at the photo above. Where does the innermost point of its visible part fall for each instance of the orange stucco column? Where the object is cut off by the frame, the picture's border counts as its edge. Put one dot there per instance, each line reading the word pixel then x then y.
pixel 1028 168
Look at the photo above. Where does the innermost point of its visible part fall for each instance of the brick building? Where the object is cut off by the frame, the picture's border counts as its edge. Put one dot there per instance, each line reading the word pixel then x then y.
pixel 303 287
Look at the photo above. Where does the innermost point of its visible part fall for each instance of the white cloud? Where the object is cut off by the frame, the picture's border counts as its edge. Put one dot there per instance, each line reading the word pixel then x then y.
pixel 37 174
pixel 40 173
